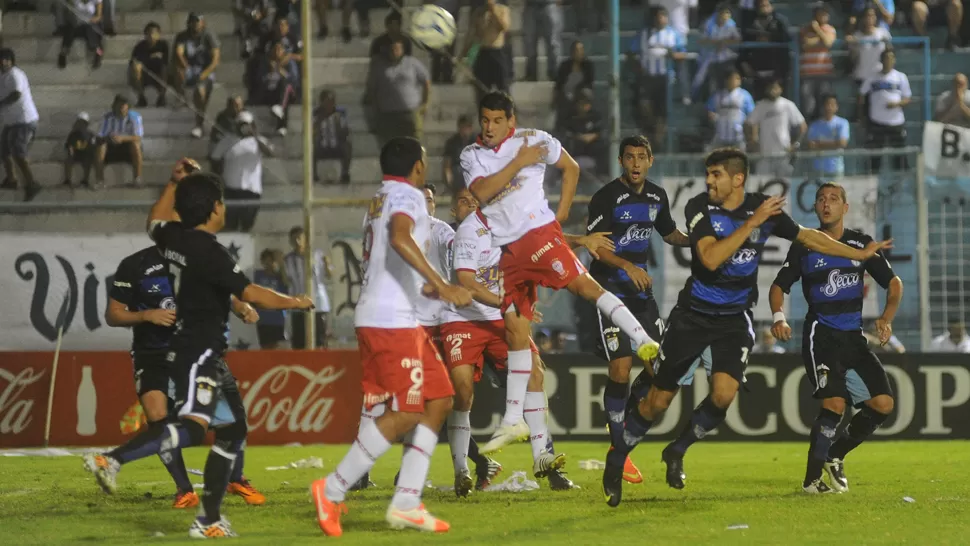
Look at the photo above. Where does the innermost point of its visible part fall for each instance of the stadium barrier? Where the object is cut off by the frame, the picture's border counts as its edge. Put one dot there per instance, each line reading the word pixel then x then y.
pixel 314 397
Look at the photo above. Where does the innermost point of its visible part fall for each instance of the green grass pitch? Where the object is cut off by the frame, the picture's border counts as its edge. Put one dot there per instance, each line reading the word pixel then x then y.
pixel 54 501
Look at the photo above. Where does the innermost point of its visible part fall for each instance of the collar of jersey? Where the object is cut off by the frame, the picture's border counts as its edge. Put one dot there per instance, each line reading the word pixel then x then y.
pixel 396 179
pixel 481 143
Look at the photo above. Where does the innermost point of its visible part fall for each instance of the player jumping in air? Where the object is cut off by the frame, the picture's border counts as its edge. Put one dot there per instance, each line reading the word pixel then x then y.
pixel 183 223
pixel 406 386
pixel 504 170
pixel 838 361
pixel 728 229
pixel 631 208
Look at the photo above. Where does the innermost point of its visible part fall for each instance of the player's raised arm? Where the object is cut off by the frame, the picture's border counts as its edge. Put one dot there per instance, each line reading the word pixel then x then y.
pixel 402 241
pixel 713 252
pixel 815 240
pixel 164 209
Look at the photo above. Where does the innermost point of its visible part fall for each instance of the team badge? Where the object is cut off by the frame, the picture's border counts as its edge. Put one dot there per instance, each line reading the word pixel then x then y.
pixel 822 373
pixel 612 343
pixel 167 303
pixel 755 235
pixel 558 268
pixel 653 213
pixel 203 394
pixel 856 263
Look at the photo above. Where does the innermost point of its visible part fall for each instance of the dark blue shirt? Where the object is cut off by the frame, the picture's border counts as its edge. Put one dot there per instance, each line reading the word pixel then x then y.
pixel 143 282
pixel 732 288
pixel 274 281
pixel 833 287
pixel 631 219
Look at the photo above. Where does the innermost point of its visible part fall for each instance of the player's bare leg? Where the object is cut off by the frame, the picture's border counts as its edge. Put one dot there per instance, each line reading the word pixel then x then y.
pixel 459 426
pixel 546 463
pixel 611 306
pixel 518 335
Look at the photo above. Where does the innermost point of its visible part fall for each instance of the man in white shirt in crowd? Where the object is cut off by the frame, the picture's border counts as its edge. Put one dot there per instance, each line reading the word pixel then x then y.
pixel 771 125
pixel 887 94
pixel 293 267
pixel 727 110
pixel 866 46
pixel 955 340
pixel 19 115
pixel 239 159
pixel 953 105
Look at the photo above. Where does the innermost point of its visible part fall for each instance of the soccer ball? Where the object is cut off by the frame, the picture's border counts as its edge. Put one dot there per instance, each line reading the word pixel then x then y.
pixel 433 26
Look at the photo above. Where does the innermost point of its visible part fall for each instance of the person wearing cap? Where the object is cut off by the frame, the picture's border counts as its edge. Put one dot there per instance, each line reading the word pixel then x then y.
pixel 120 139
pixel 84 21
pixel 239 159
pixel 19 115
pixel 80 146
pixel 197 53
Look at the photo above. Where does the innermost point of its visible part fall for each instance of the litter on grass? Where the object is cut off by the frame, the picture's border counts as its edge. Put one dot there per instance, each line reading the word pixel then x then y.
pixel 737 526
pixel 195 471
pixel 310 462
pixel 592 464
pixel 516 483
pixel 909 499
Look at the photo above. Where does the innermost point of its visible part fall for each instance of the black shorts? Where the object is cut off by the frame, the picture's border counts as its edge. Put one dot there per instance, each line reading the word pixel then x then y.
pixel 117 153
pixel 270 334
pixel 153 372
pixel 653 89
pixel 840 364
pixel 205 388
pixel 613 344
pixel 15 139
pixel 689 332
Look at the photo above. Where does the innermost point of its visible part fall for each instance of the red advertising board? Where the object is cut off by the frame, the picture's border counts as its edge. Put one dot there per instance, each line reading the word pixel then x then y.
pixel 290 396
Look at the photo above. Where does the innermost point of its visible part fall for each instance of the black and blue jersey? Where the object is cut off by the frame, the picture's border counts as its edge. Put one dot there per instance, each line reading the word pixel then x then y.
pixel 143 282
pixel 631 218
pixel 732 288
pixel 833 287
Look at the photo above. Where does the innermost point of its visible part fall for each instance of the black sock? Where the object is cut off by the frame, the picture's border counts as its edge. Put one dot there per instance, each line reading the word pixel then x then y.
pixel 144 445
pixel 216 476
pixel 172 459
pixel 635 427
pixel 639 388
pixel 820 441
pixel 706 417
pixel 237 467
pixel 860 427
pixel 474 454
pixel 614 400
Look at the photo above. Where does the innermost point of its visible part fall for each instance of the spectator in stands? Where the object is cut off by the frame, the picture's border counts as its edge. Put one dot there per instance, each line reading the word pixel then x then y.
pixel 84 21
pixel 656 46
pixel 885 11
pixel 542 19
pixel 766 64
pixel 284 33
pixel 442 69
pixel 887 94
pixel 592 15
pixel 149 65
pixel 935 13
pixel 955 340
pixel 720 34
pixel 197 54
pixel 771 124
pixel 294 267
pixel 252 22
pixel 239 159
pixel 575 73
pixel 393 25
pixel 271 328
pixel 275 86
pixel 866 46
pixel 331 136
pixel 398 90
pixel 678 16
pixel 767 345
pixel 362 8
pixel 727 109
pixel 829 132
pixel 19 115
pixel 953 105
pixel 453 147
pixel 80 146
pixel 489 26
pixel 225 123
pixel 584 133
pixel 817 70
pixel 120 139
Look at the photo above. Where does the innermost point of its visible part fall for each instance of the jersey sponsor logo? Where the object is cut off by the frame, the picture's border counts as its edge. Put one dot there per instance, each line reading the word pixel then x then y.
pixel 120 284
pixel 626 215
pixel 635 234
pixel 594 222
pixel 376 206
pixel 693 221
pixel 538 254
pixel 854 243
pixel 153 269
pixel 838 281
pixel 167 303
pixel 653 196
pixel 513 185
pixel 558 267
pixel 621 198
pixel 820 263
pixel 744 256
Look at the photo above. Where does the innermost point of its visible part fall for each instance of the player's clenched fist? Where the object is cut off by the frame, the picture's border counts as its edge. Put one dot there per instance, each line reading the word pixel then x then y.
pixel 304 302
pixel 160 317
pixel 457 295
pixel 781 330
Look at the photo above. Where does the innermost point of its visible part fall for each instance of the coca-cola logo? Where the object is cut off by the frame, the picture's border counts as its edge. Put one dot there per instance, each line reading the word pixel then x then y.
pixel 744 256
pixel 271 405
pixel 635 234
pixel 837 281
pixel 15 414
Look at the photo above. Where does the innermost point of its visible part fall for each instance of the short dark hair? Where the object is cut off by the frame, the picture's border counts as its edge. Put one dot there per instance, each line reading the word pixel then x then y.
pixel 464 119
pixel 839 187
pixel 432 188
pixel 196 197
pixel 394 15
pixel 7 53
pixel 296 230
pixel 497 100
pixel 733 160
pixel 635 141
pixel 267 253
pixel 732 72
pixel 885 52
pixel 399 156
pixel 152 25
pixel 120 99
pixel 828 96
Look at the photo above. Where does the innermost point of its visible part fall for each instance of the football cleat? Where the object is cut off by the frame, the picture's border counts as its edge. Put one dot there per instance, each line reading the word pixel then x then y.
pixel 630 472
pixel 485 472
pixel 675 468
pixel 546 462
pixel 363 483
pixel 328 512
pixel 613 485
pixel 186 499
pixel 836 472
pixel 648 351
pixel 105 470
pixel 559 482
pixel 818 487
pixel 418 518
pixel 505 435
pixel 219 529
pixel 245 490
pixel 463 483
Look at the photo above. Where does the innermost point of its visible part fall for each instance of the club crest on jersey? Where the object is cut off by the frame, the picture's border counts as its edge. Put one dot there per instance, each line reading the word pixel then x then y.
pixel 613 343
pixel 558 267
pixel 856 263
pixel 653 213
pixel 755 235
pixel 822 374
pixel 168 304
pixel 203 394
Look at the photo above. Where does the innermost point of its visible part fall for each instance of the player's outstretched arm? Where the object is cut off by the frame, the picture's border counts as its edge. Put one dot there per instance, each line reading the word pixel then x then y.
pixel 484 188
pixel 820 242
pixel 118 315
pixel 244 311
pixel 404 244
pixel 479 291
pixel 266 298
pixel 594 242
pixel 570 179
pixel 677 238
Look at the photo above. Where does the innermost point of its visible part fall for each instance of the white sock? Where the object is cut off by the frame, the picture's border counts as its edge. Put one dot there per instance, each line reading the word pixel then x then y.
pixel 364 452
pixel 535 417
pixel 368 415
pixel 520 368
pixel 414 468
pixel 459 434
pixel 613 308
